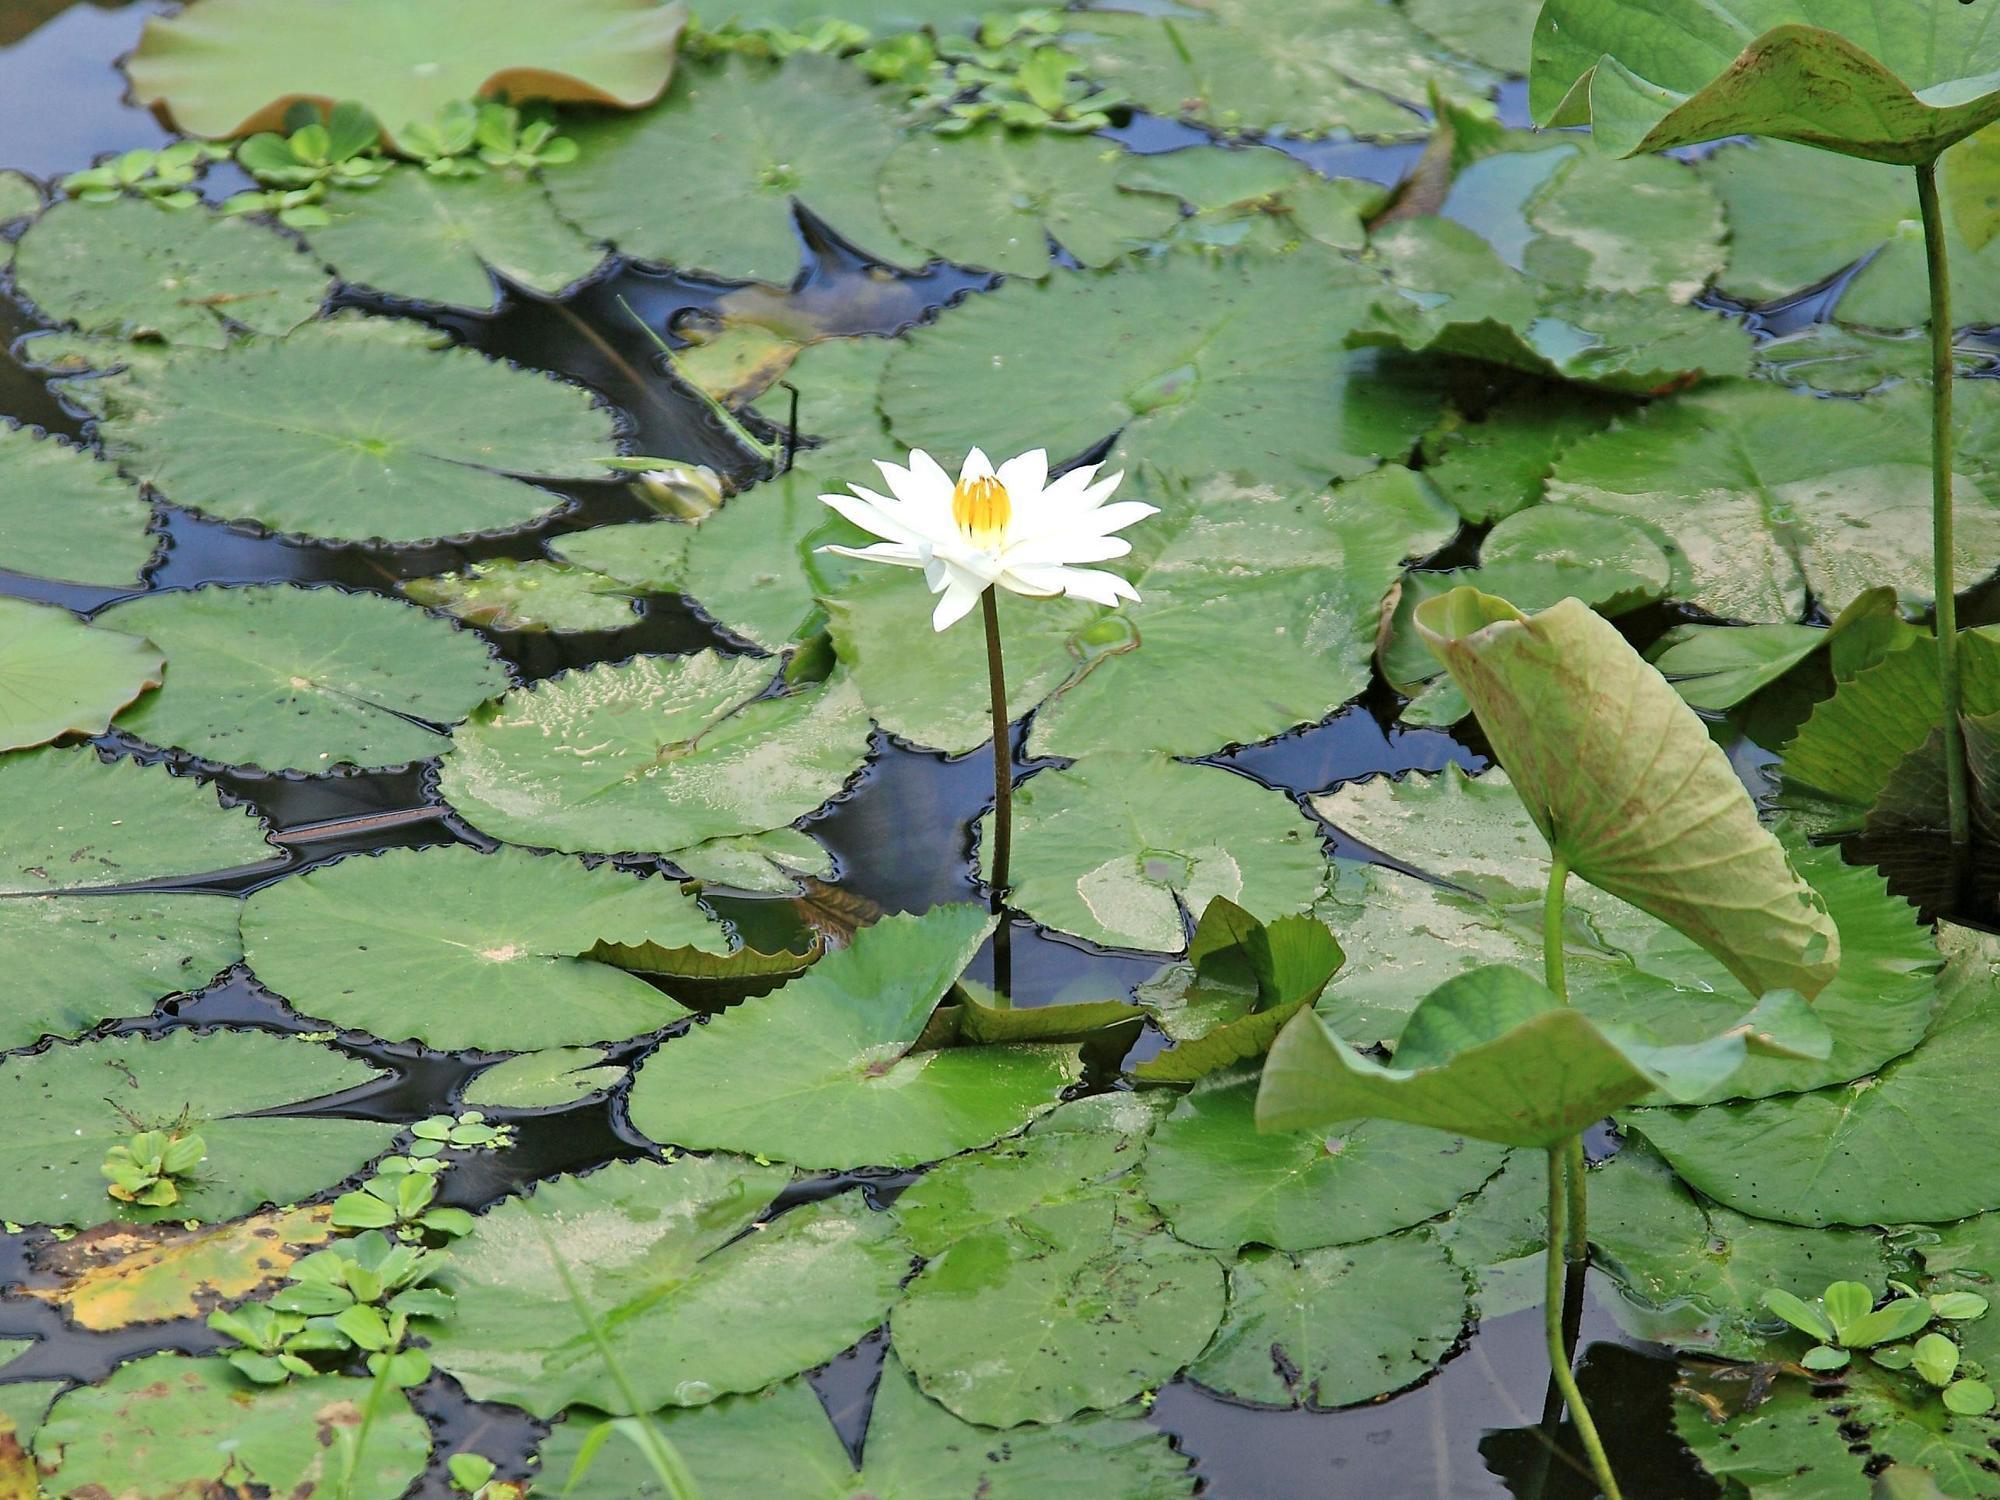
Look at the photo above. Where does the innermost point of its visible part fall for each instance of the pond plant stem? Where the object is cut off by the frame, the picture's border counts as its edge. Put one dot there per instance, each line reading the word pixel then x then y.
pixel 1003 794
pixel 1553 1288
pixel 1576 1248
pixel 1957 802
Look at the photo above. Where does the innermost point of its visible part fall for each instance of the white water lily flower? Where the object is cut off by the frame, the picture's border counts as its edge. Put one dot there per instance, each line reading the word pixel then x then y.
pixel 1013 526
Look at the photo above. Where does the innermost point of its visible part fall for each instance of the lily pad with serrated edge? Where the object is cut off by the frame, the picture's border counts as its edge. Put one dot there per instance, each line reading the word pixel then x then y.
pixel 727 152
pixel 75 1101
pixel 443 239
pixel 653 755
pixel 780 1444
pixel 821 1072
pixel 1116 847
pixel 536 595
pixel 459 949
pixel 130 268
pixel 693 1306
pixel 195 1424
pixel 279 677
pixel 66 515
pixel 353 430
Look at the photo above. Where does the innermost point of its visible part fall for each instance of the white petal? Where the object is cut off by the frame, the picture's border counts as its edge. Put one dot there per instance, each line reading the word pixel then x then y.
pixel 1045 550
pixel 1096 494
pixel 1068 486
pixel 1025 475
pixel 883 552
pixel 928 472
pixel 977 466
pixel 955 605
pixel 1093 584
pixel 968 559
pixel 1109 518
pixel 876 514
pixel 925 494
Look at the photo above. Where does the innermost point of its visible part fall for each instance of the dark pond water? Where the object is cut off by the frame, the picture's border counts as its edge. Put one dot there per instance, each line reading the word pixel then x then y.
pixel 901 836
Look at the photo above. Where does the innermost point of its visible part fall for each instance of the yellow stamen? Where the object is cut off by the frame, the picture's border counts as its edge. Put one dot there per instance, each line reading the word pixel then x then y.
pixel 981 509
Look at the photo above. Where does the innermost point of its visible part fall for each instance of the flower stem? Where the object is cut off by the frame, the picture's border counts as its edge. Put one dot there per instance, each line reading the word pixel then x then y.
pixel 1957 802
pixel 1555 974
pixel 1003 798
pixel 1552 1323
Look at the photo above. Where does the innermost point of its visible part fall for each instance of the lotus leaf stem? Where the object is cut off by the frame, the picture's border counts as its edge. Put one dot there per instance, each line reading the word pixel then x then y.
pixel 1003 794
pixel 1552 1322
pixel 1576 1247
pixel 1957 802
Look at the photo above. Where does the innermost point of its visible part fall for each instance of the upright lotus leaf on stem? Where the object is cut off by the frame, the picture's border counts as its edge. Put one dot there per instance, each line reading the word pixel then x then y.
pixel 1623 780
pixel 1896 81
pixel 1013 527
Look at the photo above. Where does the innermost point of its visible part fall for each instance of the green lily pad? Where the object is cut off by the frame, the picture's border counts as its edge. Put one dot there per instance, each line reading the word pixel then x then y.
pixel 65 515
pixel 131 269
pixel 73 822
pixel 236 66
pixel 1662 820
pixel 353 430
pixel 1491 1054
pixel 458 949
pixel 1202 367
pixel 19 196
pixel 1300 67
pixel 1497 1236
pixel 1693 1274
pixel 1493 32
pixel 1078 1150
pixel 1451 294
pixel 1798 217
pixel 1496 462
pixel 1906 1144
pixel 1222 1184
pixel 743 565
pixel 653 755
pixel 1716 667
pixel 288 678
pixel 172 1424
pixel 537 595
pixel 1118 847
pixel 1853 744
pixel 780 1445
pixel 776 863
pixel 1808 1441
pixel 726 154
pixel 60 676
pixel 996 197
pixel 1335 1327
pixel 821 1072
pixel 1763 495
pixel 1534 558
pixel 549 1079
pixel 1481 903
pixel 72 962
pixel 990 1327
pixel 1275 594
pixel 442 239
pixel 1253 197
pixel 1882 79
pixel 694 1307
pixel 74 1102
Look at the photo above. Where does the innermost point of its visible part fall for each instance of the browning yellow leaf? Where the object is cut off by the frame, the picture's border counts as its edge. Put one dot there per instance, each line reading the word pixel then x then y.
pixel 119 1274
